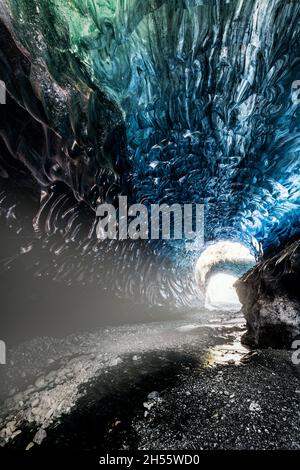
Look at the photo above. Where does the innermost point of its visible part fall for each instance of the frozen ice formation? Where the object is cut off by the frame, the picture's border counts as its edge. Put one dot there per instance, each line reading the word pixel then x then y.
pixel 166 100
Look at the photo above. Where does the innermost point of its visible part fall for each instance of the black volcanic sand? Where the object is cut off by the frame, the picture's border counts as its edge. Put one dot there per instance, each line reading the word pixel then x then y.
pixel 91 391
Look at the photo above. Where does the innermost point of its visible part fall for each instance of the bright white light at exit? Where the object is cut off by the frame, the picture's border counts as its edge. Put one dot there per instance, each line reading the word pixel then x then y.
pixel 220 292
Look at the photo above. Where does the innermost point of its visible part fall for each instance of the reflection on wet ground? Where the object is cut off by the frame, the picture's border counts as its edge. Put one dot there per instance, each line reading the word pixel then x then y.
pixel 231 353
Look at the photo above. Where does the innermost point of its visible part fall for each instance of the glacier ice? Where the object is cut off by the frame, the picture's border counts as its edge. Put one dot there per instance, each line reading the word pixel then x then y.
pixel 169 101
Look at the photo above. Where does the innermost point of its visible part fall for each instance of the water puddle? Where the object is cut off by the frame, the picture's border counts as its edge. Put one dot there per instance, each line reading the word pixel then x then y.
pixel 228 354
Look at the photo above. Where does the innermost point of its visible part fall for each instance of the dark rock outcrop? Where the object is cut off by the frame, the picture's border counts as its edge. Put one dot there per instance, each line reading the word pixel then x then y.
pixel 270 295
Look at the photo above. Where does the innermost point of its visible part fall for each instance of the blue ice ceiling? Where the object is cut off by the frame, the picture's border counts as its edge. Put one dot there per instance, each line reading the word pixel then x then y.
pixel 203 89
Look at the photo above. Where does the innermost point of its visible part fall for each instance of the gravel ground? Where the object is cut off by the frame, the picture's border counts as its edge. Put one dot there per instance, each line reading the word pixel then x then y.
pixel 253 405
pixel 170 386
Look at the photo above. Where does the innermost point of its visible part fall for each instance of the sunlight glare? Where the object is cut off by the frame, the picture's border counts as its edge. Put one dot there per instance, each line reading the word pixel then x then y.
pixel 220 292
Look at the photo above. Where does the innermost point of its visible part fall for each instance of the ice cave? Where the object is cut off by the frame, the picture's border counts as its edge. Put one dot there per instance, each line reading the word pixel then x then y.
pixel 185 102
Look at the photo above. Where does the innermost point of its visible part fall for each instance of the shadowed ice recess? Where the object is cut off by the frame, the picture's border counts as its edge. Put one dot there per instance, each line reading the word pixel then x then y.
pixel 170 101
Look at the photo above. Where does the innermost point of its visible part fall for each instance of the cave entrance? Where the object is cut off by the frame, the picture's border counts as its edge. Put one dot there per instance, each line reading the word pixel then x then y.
pixel 221 294
pixel 219 266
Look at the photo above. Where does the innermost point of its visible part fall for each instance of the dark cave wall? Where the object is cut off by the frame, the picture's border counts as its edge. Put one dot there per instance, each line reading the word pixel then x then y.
pixel 270 295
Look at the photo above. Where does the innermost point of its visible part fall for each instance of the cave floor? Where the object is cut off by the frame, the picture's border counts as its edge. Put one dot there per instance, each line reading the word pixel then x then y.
pixel 182 385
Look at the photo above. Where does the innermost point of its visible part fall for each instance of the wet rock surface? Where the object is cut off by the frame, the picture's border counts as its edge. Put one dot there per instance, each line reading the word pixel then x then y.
pixel 271 300
pixel 173 385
